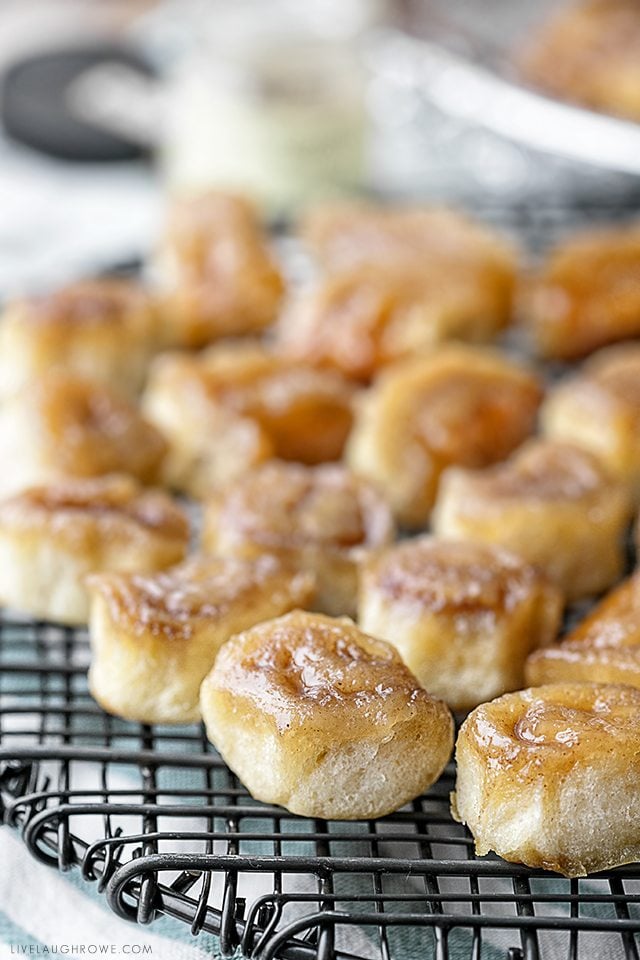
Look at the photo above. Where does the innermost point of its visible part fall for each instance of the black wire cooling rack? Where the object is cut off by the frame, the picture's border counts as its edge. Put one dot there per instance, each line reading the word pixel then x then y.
pixel 155 819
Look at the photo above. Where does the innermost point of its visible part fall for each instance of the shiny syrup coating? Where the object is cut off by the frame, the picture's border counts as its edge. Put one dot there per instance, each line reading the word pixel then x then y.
pixel 91 430
pixel 305 668
pixel 88 303
pixel 605 646
pixel 546 731
pixel 543 470
pixel 174 603
pixel 452 577
pixel 587 294
pixel 468 406
pixel 285 505
pixel 114 501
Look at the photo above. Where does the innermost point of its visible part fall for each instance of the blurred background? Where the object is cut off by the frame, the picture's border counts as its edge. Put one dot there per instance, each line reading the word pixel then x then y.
pixel 109 105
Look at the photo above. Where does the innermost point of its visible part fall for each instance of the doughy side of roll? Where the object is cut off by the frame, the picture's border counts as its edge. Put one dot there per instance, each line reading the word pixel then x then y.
pixel 155 637
pixel 316 716
pixel 550 777
pixel 463 616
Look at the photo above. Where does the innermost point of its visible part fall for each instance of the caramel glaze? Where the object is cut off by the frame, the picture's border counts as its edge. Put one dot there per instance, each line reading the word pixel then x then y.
pixel 113 502
pixel 587 294
pixel 288 506
pixel 225 279
pixel 457 577
pixel 589 52
pixel 540 734
pixel 112 303
pixel 397 281
pixel 305 413
pixel 542 470
pixel 604 647
pixel 468 406
pixel 616 370
pixel 175 602
pixel 92 431
pixel 347 235
pixel 306 669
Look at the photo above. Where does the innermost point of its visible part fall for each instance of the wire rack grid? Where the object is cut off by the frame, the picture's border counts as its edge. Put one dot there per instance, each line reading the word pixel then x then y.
pixel 156 820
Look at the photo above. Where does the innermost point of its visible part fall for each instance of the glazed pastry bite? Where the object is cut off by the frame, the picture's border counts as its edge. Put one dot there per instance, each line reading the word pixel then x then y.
pixel 99 329
pixel 397 281
pixel 65 426
pixel 603 648
pixel 217 274
pixel 599 409
pixel 589 53
pixel 238 404
pixel 586 294
pixel 155 636
pixel 460 405
pixel 313 714
pixel 550 777
pixel 321 519
pixel 463 616
pixel 553 504
pixel 52 537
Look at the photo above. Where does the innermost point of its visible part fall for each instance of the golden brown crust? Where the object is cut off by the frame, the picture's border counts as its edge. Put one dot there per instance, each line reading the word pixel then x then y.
pixel 603 648
pixel 599 409
pixel 398 281
pixel 552 503
pixel 114 506
pixel 307 668
pixel 586 294
pixel 100 329
pixel 589 53
pixel 462 615
pixel 111 303
pixel 535 770
pixel 173 604
pixel 219 275
pixel 459 405
pixel 446 576
pixel 286 506
pixel 341 728
pixel 244 395
pixel 321 519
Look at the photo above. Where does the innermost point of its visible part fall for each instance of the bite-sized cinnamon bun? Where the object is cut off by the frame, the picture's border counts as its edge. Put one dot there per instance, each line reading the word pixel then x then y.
pixel 100 329
pixel 550 777
pixel 313 714
pixel 553 504
pixel 321 519
pixel 52 537
pixel 217 276
pixel 155 636
pixel 586 294
pixel 238 404
pixel 599 409
pixel 459 405
pixel 67 426
pixel 397 281
pixel 463 616
pixel 589 52
pixel 603 648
